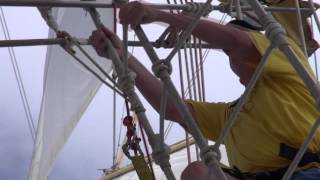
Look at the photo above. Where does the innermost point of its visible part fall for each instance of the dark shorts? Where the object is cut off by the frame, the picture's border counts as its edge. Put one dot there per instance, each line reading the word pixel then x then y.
pixel 310 174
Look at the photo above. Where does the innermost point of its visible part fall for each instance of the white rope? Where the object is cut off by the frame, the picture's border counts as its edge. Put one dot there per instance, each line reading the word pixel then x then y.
pixel 316 18
pixel 114 126
pixel 315 55
pixel 301 31
pixel 243 98
pixel 162 111
pixel 238 10
pixel 189 29
pixel 301 151
pixel 209 156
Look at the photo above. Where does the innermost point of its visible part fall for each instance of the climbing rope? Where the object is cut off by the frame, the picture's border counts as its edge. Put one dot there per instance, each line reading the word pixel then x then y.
pixel 301 31
pixel 207 154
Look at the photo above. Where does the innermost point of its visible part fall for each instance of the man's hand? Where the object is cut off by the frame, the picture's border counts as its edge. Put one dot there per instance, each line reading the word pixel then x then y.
pixel 135 13
pixel 98 40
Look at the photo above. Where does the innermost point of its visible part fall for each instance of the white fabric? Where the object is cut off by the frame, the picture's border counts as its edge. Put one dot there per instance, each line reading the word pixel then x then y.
pixel 68 88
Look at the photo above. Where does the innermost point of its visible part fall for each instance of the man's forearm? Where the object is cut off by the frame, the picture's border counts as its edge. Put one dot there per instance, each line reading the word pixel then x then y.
pixel 150 88
pixel 217 35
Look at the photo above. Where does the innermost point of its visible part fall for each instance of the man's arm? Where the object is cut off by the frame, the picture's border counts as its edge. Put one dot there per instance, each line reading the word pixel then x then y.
pixel 232 40
pixel 148 85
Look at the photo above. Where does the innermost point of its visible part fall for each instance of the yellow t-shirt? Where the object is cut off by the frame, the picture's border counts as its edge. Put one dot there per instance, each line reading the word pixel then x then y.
pixel 280 109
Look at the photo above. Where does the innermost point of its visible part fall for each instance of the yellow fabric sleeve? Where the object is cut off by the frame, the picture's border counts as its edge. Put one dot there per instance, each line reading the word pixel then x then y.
pixel 278 65
pixel 210 117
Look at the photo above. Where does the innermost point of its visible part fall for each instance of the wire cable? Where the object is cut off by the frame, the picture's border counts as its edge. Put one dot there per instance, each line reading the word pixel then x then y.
pixel 16 69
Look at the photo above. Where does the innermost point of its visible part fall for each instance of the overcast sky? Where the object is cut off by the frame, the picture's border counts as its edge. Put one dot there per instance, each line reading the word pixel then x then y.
pixel 89 148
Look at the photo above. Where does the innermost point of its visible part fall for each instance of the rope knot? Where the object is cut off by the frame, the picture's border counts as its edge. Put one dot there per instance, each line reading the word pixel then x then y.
pixel 126 82
pixel 224 8
pixel 161 151
pixel 161 66
pixel 194 8
pixel 274 31
pixel 208 153
pixel 68 43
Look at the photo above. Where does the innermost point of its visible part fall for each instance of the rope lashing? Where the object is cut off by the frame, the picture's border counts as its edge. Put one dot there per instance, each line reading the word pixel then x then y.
pixel 171 35
pixel 68 44
pixel 274 31
pixel 194 7
pixel 225 7
pixel 209 152
pixel 46 13
pixel 127 81
pixel 160 66
pixel 161 151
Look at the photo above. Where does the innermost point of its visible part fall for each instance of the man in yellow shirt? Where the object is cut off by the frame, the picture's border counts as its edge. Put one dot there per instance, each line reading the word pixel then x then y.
pixel 273 123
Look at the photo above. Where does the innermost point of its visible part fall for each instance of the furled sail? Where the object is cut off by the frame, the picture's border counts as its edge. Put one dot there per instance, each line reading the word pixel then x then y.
pixel 68 88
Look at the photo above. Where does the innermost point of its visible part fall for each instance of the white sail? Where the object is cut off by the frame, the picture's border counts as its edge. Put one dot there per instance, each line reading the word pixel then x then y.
pixel 68 88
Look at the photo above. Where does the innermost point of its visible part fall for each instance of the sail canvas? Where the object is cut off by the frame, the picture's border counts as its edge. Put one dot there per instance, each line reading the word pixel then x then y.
pixel 68 88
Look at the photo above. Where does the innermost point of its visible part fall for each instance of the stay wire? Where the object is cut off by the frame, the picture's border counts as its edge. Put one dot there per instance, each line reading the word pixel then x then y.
pixel 120 128
pixel 18 77
pixel 315 54
pixel 93 72
pixel 146 148
pixel 77 44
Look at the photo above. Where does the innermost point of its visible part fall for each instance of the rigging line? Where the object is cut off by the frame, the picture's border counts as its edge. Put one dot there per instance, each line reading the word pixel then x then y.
pixel 120 129
pixel 230 6
pixel 163 105
pixel 301 30
pixel 93 72
pixel 75 42
pixel 198 69
pixel 134 39
pixel 207 51
pixel 52 23
pixel 202 73
pixel 238 10
pixel 187 90
pixel 196 63
pixel 187 70
pixel 96 65
pixel 316 65
pixel 18 77
pixel 146 148
pixel 183 97
pixel 169 127
pixel 193 82
pixel 223 19
pixel 315 54
pixel 183 94
pixel 114 125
